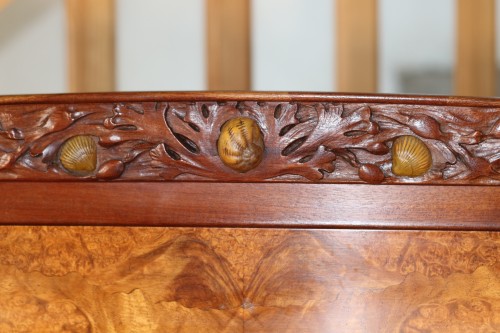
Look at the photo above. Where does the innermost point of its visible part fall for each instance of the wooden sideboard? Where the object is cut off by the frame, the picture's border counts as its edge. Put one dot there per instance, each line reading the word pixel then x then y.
pixel 249 212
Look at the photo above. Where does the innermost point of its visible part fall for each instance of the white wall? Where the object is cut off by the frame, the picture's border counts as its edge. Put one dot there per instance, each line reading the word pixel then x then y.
pixel 33 47
pixel 293 45
pixel 160 45
pixel 414 35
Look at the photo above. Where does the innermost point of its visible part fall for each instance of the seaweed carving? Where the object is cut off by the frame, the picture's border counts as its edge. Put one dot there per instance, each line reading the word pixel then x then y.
pixel 328 142
pixel 286 131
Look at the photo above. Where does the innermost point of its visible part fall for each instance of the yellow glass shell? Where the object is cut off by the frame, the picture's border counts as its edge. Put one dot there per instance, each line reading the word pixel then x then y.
pixel 240 145
pixel 410 157
pixel 79 154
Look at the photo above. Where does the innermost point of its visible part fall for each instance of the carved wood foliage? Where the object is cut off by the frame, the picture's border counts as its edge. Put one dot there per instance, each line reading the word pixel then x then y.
pixel 304 141
pixel 116 279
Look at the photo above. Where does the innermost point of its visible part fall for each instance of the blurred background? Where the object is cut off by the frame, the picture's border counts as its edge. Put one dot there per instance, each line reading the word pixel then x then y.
pixel 387 46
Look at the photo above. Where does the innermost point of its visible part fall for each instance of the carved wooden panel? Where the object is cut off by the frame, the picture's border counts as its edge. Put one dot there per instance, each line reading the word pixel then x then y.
pixel 116 279
pixel 324 140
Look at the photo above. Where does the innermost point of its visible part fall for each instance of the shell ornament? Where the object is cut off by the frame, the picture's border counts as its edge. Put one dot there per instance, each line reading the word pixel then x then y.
pixel 410 157
pixel 240 145
pixel 79 154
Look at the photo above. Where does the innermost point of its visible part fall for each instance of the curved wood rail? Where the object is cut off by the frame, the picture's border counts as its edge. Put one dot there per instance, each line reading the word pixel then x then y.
pixel 184 96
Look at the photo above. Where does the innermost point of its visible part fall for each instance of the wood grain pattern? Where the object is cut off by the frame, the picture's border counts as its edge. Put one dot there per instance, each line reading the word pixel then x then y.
pixel 91 45
pixel 335 142
pixel 475 66
pixel 258 96
pixel 252 205
pixel 228 44
pixel 109 279
pixel 357 45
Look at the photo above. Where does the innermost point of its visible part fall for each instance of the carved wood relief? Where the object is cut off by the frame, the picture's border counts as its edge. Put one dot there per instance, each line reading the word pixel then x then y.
pixel 302 141
pixel 115 279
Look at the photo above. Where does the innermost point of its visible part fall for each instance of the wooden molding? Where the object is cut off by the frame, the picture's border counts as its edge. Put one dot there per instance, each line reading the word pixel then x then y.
pixel 91 40
pixel 357 45
pixel 377 139
pixel 476 64
pixel 269 205
pixel 228 44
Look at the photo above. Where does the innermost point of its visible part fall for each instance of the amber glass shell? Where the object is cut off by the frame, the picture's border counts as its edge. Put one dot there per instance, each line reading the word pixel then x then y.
pixel 241 145
pixel 79 154
pixel 410 157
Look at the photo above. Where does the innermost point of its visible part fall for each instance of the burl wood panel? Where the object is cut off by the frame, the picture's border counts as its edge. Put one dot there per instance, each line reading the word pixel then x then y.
pixel 116 279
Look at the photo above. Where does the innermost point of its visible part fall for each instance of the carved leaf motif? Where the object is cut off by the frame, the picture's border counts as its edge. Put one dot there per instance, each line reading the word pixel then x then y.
pixel 194 147
pixel 312 141
pixel 191 145
pixel 17 129
pixel 465 146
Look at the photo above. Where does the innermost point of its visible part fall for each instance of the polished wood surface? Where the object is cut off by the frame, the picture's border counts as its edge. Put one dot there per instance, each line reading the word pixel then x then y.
pixel 91 45
pixel 476 65
pixel 252 205
pixel 258 96
pixel 357 59
pixel 228 44
pixel 109 279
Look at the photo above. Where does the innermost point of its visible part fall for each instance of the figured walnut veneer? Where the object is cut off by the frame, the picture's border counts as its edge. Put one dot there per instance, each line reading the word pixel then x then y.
pixel 108 279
